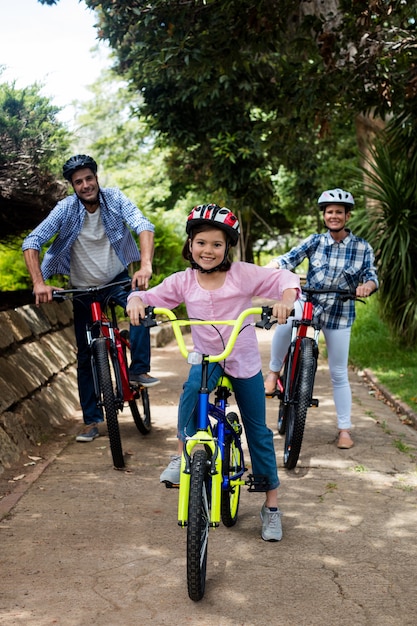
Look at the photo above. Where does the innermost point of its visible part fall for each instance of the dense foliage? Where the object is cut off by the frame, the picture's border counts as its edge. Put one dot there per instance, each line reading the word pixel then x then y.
pixel 240 89
pixel 389 221
pixel 31 141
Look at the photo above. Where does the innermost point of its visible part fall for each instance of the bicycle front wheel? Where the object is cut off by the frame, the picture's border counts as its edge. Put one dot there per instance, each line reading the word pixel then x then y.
pixel 143 424
pixel 198 526
pixel 297 412
pixel 108 399
pixel 232 464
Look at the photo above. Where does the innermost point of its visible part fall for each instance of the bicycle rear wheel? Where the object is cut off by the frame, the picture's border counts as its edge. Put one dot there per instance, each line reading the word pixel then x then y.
pixel 198 526
pixel 297 412
pixel 232 464
pixel 143 424
pixel 109 400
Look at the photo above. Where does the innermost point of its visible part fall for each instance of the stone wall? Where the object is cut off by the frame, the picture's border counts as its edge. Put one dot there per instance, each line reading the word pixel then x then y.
pixel 38 391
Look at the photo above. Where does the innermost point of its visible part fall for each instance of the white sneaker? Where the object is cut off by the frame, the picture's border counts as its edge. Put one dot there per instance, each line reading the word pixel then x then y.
pixel 171 473
pixel 271 524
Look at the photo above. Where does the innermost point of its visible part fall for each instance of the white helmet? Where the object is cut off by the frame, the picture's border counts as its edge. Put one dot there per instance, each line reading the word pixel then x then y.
pixel 336 196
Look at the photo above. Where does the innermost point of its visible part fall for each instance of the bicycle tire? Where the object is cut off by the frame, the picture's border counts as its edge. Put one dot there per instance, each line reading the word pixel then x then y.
pixel 109 401
pixel 232 464
pixel 143 424
pixel 198 526
pixel 297 412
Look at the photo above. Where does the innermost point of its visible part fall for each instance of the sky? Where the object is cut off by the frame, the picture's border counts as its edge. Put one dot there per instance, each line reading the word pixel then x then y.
pixel 52 45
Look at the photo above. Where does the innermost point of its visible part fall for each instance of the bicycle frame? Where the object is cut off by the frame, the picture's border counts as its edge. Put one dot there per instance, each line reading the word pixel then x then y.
pixel 299 332
pixel 210 436
pixel 110 330
pixel 103 326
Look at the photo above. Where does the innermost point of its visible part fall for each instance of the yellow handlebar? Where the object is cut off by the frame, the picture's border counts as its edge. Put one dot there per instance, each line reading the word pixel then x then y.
pixel 237 326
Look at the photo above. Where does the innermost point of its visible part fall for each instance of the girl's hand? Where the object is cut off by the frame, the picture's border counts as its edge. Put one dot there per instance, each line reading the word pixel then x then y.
pixel 135 309
pixel 281 310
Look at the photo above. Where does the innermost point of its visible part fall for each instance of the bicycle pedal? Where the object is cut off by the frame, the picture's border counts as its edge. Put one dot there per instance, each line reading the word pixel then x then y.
pixel 275 394
pixel 314 402
pixel 170 485
pixel 257 482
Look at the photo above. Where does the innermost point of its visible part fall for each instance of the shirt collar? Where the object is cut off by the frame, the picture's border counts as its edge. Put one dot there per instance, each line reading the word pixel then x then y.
pixel 346 239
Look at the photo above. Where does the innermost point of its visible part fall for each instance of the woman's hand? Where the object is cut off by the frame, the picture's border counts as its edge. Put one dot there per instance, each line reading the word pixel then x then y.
pixel 135 309
pixel 365 290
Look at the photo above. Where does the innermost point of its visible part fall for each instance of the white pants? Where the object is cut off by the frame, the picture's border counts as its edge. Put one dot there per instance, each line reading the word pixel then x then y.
pixel 337 343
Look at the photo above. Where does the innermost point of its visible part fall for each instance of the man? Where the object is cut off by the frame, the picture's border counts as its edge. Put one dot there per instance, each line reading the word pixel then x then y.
pixel 93 246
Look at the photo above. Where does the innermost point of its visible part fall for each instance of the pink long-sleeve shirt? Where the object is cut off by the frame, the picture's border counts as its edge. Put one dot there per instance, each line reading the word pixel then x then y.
pixel 243 281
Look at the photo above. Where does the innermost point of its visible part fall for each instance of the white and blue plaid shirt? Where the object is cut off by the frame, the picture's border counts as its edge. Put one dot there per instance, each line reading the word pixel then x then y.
pixel 66 221
pixel 342 265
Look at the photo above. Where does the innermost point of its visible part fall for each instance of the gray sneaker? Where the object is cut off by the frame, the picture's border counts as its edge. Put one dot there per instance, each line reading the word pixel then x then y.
pixel 88 433
pixel 171 473
pixel 271 524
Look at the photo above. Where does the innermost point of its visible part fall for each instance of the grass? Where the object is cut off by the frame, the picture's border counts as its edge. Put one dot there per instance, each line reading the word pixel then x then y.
pixel 372 347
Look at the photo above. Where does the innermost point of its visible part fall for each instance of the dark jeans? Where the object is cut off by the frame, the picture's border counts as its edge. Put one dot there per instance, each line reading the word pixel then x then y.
pixel 140 348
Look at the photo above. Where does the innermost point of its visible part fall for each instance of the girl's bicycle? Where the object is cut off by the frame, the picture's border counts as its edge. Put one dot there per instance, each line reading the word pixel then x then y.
pixel 212 464
pixel 296 381
pixel 108 346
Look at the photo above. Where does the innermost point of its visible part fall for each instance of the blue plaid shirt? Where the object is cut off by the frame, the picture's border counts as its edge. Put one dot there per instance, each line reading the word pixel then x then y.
pixel 342 265
pixel 66 221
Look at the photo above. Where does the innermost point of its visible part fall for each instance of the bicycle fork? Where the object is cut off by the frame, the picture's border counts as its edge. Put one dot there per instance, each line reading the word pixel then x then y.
pixel 214 446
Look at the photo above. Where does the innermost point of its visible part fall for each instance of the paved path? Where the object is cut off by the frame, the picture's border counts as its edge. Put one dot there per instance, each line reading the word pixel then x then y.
pixel 87 545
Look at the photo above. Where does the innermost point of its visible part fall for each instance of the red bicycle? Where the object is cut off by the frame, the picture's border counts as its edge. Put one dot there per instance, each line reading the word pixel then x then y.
pixel 109 346
pixel 296 380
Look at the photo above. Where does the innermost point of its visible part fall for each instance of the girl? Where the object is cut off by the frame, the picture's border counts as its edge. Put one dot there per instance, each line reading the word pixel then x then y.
pixel 216 288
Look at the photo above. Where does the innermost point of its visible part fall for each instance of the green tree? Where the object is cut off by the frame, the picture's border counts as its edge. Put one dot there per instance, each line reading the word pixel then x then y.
pixel 239 89
pixel 389 222
pixel 31 142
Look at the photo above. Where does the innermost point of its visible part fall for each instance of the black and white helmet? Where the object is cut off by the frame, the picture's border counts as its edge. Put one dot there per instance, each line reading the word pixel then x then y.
pixel 78 162
pixel 336 196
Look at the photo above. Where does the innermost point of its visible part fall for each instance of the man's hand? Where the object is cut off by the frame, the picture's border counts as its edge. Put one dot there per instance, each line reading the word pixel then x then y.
pixel 135 310
pixel 141 278
pixel 43 293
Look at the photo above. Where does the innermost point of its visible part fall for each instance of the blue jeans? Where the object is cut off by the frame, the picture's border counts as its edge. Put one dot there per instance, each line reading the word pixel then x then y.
pixel 250 398
pixel 139 340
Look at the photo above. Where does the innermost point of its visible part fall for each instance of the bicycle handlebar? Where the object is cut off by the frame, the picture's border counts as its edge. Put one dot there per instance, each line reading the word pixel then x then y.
pixel 237 324
pixel 65 294
pixel 345 294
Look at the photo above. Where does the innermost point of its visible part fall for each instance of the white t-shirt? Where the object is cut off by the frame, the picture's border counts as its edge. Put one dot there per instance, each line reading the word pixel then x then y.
pixel 93 259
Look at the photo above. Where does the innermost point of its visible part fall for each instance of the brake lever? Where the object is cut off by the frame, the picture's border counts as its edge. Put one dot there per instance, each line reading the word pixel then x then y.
pixel 265 321
pixel 149 320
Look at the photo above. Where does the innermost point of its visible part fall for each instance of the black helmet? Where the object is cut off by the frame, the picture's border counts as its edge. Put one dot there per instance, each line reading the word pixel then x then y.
pixel 77 163
pixel 212 214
